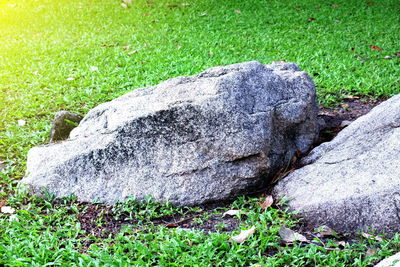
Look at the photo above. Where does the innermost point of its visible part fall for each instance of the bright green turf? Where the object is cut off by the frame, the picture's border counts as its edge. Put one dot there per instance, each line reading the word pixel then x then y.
pixel 45 42
pixel 45 233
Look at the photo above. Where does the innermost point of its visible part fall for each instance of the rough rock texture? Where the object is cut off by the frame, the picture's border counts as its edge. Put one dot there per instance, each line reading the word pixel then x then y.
pixel 352 182
pixel 62 125
pixel 392 261
pixel 189 140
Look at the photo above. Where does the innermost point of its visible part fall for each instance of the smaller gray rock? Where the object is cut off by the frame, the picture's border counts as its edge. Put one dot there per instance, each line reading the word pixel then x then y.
pixel 352 182
pixel 62 125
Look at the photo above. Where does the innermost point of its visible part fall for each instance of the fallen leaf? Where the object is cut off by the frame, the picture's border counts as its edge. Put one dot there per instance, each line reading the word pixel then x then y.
pixel 311 19
pixel 370 3
pixel 210 53
pixel 132 52
pixel 2 203
pixel 70 79
pixel 203 15
pixel 289 236
pixel 185 4
pixel 388 57
pixel 345 106
pixel 325 231
pixel 238 11
pixel 21 123
pixel 178 46
pixel 317 7
pixel 397 54
pixel 7 209
pixel 126 47
pixel 368 236
pixel 244 234
pixel 370 252
pixel 94 68
pixel 341 243
pixel 335 5
pixel 124 5
pixel 298 9
pixel 109 45
pixel 269 200
pixel 231 213
pixel 171 225
pixel 351 97
pixel 171 5
pixel 375 48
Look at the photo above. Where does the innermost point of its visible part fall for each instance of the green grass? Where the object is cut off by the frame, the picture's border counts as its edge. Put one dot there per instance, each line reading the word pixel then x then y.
pixel 47 49
pixel 46 232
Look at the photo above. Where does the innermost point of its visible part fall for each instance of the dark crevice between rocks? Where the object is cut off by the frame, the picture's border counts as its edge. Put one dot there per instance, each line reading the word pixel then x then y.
pixel 333 118
pixel 331 124
pixel 246 158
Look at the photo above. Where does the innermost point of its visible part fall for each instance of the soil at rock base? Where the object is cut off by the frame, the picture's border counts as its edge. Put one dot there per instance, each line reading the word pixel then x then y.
pixel 352 108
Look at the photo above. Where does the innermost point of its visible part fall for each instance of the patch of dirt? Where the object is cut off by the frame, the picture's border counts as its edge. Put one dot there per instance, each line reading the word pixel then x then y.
pixel 332 119
pixel 351 109
pixel 99 220
pixel 206 220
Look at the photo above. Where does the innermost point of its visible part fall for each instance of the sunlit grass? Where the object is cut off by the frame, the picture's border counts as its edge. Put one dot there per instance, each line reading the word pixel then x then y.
pixel 48 49
pixel 45 232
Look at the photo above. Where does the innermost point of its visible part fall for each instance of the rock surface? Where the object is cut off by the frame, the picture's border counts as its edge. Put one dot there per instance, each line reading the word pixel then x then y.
pixel 189 140
pixel 392 261
pixel 353 181
pixel 62 125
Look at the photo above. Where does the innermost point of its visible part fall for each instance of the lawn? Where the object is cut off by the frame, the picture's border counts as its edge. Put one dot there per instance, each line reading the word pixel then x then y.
pixel 73 55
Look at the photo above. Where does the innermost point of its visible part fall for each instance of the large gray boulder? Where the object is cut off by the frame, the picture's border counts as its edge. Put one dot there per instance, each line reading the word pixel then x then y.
pixel 352 182
pixel 189 140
